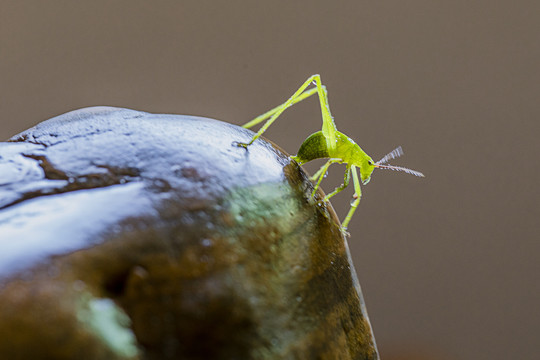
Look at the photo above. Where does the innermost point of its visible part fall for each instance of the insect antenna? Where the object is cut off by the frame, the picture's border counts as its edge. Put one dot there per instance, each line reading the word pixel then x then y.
pixel 397 152
pixel 399 168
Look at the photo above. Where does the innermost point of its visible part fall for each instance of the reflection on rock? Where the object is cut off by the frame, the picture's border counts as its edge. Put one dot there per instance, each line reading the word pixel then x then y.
pixel 128 235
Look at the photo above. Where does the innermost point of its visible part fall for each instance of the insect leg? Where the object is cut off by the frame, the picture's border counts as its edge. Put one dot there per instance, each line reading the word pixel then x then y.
pixel 299 95
pixel 342 186
pixel 269 113
pixel 357 195
pixel 319 175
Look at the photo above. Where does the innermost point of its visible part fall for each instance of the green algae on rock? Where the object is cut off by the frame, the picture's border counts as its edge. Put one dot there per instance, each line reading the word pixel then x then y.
pixel 186 245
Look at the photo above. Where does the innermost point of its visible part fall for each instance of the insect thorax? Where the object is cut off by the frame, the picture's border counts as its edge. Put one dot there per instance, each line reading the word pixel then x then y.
pixel 314 147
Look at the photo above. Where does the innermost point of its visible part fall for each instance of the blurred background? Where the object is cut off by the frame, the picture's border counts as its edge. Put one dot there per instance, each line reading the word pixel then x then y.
pixel 449 264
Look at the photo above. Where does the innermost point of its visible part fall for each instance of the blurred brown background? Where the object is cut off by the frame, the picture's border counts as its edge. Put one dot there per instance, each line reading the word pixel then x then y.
pixel 449 264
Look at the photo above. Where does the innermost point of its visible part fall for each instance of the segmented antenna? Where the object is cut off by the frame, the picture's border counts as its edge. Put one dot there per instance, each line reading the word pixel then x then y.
pixel 399 168
pixel 397 152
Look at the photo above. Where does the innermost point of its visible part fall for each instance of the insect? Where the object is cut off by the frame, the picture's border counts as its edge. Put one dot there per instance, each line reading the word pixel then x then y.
pixel 331 144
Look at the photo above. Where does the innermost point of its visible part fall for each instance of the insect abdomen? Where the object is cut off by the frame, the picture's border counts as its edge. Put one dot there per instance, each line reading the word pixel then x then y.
pixel 314 147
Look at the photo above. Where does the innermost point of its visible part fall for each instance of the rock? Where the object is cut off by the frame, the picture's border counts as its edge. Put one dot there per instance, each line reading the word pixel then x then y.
pixel 128 235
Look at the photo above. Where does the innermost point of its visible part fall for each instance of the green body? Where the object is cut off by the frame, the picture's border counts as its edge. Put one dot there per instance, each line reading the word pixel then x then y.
pixel 328 143
pixel 346 151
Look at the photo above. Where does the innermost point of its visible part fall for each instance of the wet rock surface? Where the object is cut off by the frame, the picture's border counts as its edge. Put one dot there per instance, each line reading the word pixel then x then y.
pixel 128 235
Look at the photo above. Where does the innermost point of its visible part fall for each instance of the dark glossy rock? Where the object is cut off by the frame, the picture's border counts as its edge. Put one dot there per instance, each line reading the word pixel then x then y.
pixel 129 235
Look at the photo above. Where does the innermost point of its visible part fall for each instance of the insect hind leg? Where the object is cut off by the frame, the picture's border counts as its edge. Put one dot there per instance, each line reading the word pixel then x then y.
pixel 300 94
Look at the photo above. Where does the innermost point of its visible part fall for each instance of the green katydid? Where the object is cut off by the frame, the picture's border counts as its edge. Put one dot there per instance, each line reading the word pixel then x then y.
pixel 331 144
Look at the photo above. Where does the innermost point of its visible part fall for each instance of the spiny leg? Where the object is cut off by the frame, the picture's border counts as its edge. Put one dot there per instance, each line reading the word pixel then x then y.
pixel 357 195
pixel 269 113
pixel 342 186
pixel 299 95
pixel 320 174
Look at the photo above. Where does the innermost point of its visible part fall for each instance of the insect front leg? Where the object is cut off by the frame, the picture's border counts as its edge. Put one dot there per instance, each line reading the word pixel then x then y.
pixel 357 196
pixel 298 96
